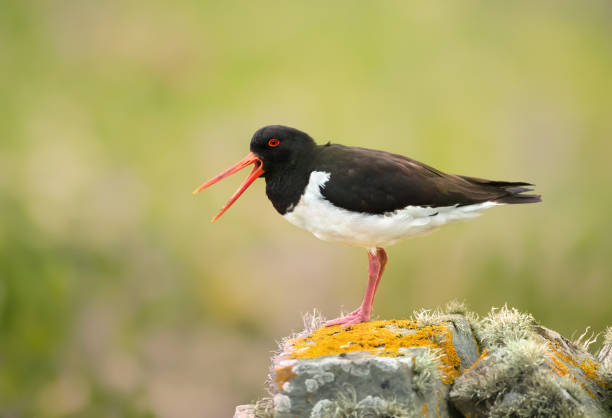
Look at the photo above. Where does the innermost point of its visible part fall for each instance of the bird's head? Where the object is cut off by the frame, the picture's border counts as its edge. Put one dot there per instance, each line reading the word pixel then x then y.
pixel 273 148
pixel 279 147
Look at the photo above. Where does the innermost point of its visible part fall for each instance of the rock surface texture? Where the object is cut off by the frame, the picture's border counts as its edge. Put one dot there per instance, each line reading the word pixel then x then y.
pixel 437 364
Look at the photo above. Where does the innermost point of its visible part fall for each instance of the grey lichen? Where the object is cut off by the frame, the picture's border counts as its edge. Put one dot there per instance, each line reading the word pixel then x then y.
pixel 376 407
pixel 450 313
pixel 526 370
pixel 513 382
pixel 502 325
pixel 608 336
pixel 586 339
pixel 264 408
pixel 456 307
pixel 539 396
pixel 605 371
pixel 427 370
pixel 605 354
pixel 506 368
pixel 518 377
pixel 345 405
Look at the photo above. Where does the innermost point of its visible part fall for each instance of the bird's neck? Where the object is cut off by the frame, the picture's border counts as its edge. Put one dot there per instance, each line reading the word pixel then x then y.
pixel 285 185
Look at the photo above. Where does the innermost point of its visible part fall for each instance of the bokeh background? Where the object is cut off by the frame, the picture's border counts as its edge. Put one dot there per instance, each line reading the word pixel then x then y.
pixel 118 298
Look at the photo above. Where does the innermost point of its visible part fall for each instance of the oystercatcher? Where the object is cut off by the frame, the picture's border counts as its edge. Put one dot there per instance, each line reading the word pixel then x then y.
pixel 362 197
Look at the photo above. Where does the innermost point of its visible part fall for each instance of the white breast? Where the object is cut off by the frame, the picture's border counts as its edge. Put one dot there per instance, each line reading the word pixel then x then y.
pixel 330 223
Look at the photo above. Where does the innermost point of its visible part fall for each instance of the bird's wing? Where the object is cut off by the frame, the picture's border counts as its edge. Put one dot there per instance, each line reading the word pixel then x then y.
pixel 377 182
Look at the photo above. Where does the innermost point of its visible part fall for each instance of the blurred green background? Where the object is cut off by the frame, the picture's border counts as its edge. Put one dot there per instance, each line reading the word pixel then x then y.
pixel 119 298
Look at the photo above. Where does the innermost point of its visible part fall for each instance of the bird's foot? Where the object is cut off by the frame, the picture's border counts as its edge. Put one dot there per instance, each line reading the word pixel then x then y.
pixel 356 317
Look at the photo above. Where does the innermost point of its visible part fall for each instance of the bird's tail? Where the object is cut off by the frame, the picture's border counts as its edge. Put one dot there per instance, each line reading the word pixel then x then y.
pixel 514 190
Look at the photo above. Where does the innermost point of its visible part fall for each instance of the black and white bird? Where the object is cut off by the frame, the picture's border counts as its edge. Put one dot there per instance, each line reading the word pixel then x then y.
pixel 362 197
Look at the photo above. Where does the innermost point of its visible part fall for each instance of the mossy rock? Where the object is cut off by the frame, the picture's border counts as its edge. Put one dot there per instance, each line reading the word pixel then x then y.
pixel 528 370
pixel 440 363
pixel 373 369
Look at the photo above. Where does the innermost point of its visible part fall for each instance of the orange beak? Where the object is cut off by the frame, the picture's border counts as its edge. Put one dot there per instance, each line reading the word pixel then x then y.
pixel 256 172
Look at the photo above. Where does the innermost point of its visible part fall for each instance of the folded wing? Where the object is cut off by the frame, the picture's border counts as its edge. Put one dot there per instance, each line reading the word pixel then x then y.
pixel 377 182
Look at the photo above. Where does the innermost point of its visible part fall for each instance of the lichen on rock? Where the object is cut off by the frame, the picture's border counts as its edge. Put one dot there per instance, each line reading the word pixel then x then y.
pixel 503 325
pixel 379 368
pixel 529 370
pixel 381 338
pixel 443 362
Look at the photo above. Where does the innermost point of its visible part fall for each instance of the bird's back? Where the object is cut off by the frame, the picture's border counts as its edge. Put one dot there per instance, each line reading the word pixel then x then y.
pixel 376 182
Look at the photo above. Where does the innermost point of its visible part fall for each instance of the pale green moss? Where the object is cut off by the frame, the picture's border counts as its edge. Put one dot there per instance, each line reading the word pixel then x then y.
pixel 526 374
pixel 264 408
pixel 452 312
pixel 608 336
pixel 539 396
pixel 517 384
pixel 606 375
pixel 520 358
pixel 454 307
pixel 605 369
pixel 605 357
pixel 426 368
pixel 345 405
pixel 502 325
pixel 529 353
pixel 585 340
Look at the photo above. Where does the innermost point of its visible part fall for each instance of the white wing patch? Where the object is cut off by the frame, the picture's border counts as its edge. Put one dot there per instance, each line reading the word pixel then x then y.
pixel 330 223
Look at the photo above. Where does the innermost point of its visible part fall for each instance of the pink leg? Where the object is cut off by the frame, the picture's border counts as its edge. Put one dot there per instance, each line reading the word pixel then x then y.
pixel 377 263
pixel 382 260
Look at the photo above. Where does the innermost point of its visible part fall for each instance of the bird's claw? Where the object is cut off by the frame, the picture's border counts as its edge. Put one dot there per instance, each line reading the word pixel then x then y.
pixel 355 317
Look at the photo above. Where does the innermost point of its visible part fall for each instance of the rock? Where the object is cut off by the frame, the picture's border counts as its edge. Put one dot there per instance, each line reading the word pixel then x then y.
pixel 605 359
pixel 538 374
pixel 346 382
pixel 379 368
pixel 441 363
pixel 605 354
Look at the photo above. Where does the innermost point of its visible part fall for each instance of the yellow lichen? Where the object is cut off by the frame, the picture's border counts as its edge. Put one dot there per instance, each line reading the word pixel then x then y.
pixel 591 394
pixel 589 367
pixel 382 338
pixel 283 374
pixel 482 355
pixel 560 360
pixel 424 410
pixel 556 364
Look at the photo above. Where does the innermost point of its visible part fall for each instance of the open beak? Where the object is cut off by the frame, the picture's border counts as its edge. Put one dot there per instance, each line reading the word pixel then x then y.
pixel 256 172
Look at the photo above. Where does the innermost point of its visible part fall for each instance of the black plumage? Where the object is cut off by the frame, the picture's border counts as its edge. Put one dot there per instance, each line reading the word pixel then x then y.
pixel 366 180
pixel 377 182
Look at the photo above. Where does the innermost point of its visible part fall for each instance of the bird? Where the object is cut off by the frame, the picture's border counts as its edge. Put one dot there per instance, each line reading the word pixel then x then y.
pixel 362 197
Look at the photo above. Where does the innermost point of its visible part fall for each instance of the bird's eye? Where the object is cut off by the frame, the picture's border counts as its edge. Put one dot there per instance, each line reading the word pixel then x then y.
pixel 273 142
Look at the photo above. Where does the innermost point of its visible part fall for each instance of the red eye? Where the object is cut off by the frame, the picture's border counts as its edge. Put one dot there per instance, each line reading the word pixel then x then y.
pixel 273 142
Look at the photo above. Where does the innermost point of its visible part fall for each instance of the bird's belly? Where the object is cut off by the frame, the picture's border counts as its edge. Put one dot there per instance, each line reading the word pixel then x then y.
pixel 331 223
